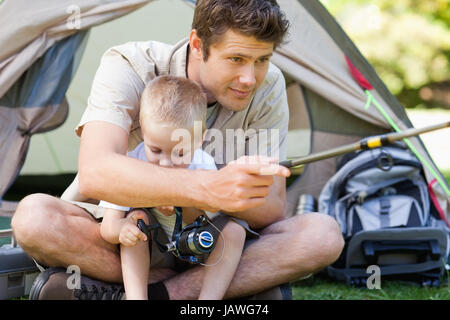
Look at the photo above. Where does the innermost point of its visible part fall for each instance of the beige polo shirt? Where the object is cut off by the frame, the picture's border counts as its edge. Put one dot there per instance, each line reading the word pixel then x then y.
pixel 124 71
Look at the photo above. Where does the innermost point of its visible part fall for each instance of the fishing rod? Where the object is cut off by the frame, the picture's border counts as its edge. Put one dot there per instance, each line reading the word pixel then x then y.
pixel 364 144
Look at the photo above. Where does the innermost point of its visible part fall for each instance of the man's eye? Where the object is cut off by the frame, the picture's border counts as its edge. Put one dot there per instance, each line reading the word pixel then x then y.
pixel 236 59
pixel 262 60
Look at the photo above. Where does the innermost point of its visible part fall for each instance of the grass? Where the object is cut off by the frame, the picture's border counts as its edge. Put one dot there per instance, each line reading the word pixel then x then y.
pixel 321 288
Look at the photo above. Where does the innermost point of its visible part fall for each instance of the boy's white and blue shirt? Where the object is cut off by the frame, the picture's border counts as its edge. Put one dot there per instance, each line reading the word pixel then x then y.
pixel 201 160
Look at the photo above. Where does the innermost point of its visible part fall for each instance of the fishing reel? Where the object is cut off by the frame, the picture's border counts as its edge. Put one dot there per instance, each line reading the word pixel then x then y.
pixel 187 243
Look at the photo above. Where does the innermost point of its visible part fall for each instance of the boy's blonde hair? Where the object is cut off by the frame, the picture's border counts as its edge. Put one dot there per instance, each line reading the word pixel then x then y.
pixel 177 100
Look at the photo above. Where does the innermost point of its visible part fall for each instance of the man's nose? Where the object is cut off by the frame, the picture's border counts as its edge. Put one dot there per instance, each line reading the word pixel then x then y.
pixel 247 76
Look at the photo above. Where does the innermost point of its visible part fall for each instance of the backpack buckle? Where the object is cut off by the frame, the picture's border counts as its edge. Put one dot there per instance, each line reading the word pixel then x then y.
pixel 361 197
pixel 385 161
pixel 385 206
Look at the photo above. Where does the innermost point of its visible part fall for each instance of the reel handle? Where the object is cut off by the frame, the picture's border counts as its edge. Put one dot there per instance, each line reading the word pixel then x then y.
pixel 143 227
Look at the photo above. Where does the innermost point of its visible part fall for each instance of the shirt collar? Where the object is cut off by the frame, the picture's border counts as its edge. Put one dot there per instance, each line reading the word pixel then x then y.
pixel 177 65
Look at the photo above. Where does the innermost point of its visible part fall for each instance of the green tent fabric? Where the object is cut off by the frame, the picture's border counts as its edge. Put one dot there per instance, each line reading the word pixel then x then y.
pixel 38 58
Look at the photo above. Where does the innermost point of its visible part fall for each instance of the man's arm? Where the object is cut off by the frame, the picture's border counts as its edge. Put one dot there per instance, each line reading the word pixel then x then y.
pixel 274 123
pixel 274 117
pixel 106 173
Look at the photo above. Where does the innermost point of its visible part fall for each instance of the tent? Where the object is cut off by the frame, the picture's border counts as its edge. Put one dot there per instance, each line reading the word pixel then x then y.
pixel 334 94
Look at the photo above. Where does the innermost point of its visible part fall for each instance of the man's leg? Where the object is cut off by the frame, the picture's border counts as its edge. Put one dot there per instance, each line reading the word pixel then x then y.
pixel 57 233
pixel 287 250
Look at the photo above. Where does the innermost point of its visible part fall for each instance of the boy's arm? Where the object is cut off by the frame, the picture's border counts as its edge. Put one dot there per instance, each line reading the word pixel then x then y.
pixel 116 228
pixel 113 221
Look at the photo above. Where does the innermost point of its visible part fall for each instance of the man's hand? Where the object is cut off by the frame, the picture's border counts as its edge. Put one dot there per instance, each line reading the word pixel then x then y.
pixel 130 234
pixel 242 184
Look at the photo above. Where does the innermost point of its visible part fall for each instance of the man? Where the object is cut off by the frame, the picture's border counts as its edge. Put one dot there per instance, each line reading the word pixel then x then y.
pixel 228 54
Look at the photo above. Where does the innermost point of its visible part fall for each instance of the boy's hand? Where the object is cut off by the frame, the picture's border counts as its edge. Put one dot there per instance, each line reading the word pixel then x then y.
pixel 130 233
pixel 166 210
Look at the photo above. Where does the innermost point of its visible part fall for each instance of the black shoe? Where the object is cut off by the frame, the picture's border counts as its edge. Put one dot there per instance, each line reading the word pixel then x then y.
pixel 52 285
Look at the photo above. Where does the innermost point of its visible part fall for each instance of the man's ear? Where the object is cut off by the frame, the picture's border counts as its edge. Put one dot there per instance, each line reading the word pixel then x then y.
pixel 195 45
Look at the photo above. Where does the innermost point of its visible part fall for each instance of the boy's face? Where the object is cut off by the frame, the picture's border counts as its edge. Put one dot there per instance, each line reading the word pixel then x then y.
pixel 168 146
pixel 235 68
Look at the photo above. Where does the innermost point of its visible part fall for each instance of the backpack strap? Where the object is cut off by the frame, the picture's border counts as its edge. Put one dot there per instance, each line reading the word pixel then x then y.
pixel 360 195
pixel 385 206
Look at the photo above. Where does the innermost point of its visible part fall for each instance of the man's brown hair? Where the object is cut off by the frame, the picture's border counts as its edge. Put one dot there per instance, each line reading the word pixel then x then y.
pixel 261 19
pixel 177 100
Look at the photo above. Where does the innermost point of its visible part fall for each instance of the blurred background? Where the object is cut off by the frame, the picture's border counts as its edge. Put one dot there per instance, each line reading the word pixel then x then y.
pixel 408 44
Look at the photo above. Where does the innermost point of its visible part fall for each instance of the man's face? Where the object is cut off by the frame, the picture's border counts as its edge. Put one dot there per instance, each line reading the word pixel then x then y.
pixel 235 68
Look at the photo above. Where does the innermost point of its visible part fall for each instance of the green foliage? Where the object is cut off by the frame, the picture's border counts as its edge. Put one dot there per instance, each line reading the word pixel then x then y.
pixel 446 174
pixel 407 41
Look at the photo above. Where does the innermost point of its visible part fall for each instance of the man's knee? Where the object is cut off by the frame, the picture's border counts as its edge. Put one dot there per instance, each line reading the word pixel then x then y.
pixel 324 236
pixel 30 212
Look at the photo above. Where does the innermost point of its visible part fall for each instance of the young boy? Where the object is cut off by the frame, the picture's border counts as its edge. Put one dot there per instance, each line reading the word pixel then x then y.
pixel 167 104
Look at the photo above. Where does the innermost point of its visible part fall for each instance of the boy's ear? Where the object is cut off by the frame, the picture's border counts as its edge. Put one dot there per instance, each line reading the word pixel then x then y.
pixel 195 45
